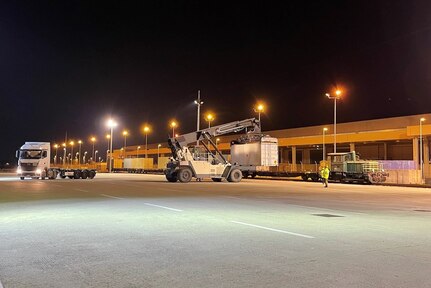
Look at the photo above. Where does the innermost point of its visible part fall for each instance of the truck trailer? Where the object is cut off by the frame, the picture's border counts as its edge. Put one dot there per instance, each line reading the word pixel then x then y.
pixel 34 162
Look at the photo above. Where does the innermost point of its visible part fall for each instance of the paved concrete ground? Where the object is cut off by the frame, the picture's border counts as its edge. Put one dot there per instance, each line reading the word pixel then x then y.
pixel 141 231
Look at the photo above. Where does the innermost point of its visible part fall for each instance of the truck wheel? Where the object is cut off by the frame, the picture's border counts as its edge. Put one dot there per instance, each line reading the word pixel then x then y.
pixel 172 178
pixel 52 174
pixel 216 179
pixel 235 176
pixel 77 174
pixel 91 174
pixel 22 178
pixel 84 174
pixel 185 174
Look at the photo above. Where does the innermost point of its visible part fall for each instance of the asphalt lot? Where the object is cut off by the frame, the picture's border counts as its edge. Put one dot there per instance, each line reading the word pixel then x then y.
pixel 126 230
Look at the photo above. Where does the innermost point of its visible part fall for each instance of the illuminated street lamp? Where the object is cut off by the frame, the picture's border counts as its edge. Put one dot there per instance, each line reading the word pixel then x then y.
pixel 83 157
pixel 259 109
pixel 111 124
pixel 337 96
pixel 93 140
pixel 95 156
pixel 421 149
pixel 71 144
pixel 324 149
pixel 146 131
pixel 108 137
pixel 173 125
pixel 125 134
pixel 217 140
pixel 137 151
pixel 79 153
pixel 209 118
pixel 56 150
pixel 158 153
pixel 64 153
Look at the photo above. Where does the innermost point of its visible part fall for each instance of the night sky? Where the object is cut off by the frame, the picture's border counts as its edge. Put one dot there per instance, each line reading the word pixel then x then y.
pixel 69 65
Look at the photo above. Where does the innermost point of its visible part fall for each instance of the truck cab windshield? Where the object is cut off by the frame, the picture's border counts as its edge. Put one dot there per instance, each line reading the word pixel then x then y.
pixel 30 154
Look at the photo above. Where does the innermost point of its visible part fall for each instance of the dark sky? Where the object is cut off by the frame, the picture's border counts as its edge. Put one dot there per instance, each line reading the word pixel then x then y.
pixel 68 65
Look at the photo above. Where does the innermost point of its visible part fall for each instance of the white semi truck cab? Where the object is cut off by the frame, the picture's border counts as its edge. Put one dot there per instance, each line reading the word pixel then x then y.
pixel 33 159
pixel 34 162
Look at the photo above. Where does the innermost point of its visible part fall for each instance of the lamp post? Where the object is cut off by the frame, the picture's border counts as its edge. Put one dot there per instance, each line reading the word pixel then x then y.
pixel 125 134
pixel 209 117
pixel 421 149
pixel 259 109
pixel 217 140
pixel 56 150
pixel 199 103
pixel 337 96
pixel 64 153
pixel 93 140
pixel 71 152
pixel 323 145
pixel 111 124
pixel 95 156
pixel 83 157
pixel 79 153
pixel 173 125
pixel 158 153
pixel 146 131
pixel 137 151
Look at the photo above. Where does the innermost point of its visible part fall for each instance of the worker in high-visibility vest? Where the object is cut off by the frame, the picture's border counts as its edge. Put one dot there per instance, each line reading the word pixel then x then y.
pixel 324 174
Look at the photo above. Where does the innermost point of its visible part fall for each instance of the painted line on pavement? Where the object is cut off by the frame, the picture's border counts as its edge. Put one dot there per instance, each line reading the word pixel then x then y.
pixel 164 207
pixel 82 190
pixel 275 230
pixel 109 196
pixel 1 285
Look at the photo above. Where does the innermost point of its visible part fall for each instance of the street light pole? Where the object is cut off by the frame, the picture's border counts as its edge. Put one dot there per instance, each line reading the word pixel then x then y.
pixel 125 133
pixel 199 103
pixel 173 125
pixel 64 154
pixel 56 150
pixel 137 151
pixel 324 148
pixel 209 118
pixel 259 109
pixel 337 96
pixel 421 160
pixel 79 153
pixel 111 124
pixel 95 156
pixel 158 153
pixel 71 144
pixel 93 139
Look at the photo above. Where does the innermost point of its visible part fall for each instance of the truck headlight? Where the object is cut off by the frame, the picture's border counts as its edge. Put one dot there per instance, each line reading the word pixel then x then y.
pixel 38 171
pixel 18 171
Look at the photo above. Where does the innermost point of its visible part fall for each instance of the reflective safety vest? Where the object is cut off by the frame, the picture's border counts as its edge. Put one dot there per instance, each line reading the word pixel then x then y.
pixel 324 173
